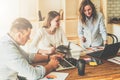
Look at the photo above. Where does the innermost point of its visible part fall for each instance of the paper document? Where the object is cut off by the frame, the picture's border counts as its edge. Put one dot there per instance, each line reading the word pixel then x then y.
pixel 115 60
pixel 55 76
pixel 75 50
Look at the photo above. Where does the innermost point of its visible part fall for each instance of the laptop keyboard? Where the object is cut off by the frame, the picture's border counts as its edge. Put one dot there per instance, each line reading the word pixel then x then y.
pixel 72 61
pixel 64 63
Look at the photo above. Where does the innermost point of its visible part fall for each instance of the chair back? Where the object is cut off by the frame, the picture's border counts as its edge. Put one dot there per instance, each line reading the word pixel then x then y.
pixel 113 38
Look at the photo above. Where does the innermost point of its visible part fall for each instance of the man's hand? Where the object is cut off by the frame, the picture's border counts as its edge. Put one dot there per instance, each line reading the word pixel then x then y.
pixel 53 63
pixel 54 60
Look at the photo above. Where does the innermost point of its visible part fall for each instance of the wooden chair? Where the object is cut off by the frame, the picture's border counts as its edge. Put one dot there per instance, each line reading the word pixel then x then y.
pixel 113 37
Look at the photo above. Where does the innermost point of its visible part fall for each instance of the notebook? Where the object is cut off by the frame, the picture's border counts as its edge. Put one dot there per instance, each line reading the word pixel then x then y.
pixel 109 51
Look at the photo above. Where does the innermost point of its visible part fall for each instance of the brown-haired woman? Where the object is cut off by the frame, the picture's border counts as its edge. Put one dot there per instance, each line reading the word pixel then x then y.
pixel 91 27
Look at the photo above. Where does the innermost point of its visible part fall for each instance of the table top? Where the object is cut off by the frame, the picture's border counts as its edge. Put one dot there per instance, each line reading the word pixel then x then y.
pixel 105 71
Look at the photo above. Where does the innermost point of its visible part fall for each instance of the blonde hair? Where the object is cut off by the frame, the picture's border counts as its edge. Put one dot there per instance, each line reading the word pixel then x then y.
pixel 50 16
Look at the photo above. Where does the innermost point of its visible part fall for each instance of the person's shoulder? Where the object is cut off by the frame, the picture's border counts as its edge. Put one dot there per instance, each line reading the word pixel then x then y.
pixel 60 28
pixel 41 30
pixel 7 42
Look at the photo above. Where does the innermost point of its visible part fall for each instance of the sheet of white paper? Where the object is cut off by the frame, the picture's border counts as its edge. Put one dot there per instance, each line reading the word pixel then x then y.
pixel 75 50
pixel 115 60
pixel 57 76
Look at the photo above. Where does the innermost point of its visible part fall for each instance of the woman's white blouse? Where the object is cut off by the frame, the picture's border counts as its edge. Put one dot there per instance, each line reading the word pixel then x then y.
pixel 94 33
pixel 43 40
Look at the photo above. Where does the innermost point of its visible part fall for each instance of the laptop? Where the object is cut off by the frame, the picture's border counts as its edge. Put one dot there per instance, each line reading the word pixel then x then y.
pixel 109 51
pixel 68 62
pixel 65 64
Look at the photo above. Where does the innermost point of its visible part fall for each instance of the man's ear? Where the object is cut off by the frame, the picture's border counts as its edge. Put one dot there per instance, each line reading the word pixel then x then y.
pixel 19 35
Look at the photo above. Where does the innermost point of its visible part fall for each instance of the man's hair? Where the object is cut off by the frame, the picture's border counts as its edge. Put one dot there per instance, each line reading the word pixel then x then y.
pixel 81 10
pixel 50 16
pixel 20 24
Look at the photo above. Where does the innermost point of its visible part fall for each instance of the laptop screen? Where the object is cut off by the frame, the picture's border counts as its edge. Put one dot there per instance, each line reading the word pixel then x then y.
pixel 110 50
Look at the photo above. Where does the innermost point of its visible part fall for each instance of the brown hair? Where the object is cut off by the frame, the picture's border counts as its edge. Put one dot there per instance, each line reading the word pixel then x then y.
pixel 21 24
pixel 81 11
pixel 51 15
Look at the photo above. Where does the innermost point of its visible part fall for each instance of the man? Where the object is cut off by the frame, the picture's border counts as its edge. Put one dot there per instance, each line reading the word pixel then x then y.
pixel 14 60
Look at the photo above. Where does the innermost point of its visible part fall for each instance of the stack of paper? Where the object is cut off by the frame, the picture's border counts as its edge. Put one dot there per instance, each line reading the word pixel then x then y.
pixel 115 60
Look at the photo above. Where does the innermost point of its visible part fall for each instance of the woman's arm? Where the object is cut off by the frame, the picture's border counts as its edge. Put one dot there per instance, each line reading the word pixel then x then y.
pixel 35 41
pixel 64 38
pixel 80 30
pixel 103 29
pixel 51 50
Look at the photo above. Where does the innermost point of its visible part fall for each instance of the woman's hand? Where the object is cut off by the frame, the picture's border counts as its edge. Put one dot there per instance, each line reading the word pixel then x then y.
pixel 83 39
pixel 105 42
pixel 52 50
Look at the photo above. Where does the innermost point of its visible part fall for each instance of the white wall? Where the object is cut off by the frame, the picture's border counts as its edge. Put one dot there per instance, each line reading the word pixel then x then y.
pixel 116 31
pixel 8 12
pixel 47 5
pixel 29 9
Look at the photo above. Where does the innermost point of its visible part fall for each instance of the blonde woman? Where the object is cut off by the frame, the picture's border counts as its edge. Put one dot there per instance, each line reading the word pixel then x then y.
pixel 50 36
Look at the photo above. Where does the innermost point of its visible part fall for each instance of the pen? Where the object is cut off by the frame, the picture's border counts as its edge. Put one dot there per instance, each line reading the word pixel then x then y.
pixel 51 45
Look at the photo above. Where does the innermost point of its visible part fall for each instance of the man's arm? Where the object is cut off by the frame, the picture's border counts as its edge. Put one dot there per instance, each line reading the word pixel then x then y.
pixel 39 58
pixel 53 61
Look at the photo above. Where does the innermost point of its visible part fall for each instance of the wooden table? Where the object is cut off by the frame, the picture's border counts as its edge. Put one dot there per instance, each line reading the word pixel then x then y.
pixel 105 71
